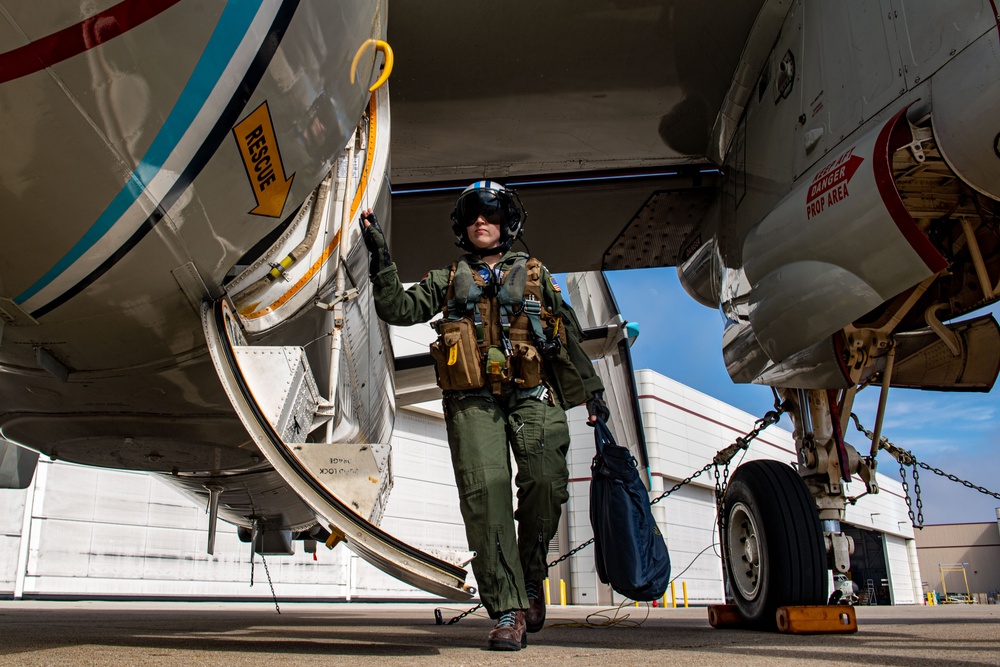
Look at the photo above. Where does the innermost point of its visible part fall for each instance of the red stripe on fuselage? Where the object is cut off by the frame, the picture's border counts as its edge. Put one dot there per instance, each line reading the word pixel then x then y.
pixel 996 17
pixel 74 40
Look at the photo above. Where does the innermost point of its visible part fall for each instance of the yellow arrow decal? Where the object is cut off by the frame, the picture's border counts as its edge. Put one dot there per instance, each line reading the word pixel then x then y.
pixel 262 160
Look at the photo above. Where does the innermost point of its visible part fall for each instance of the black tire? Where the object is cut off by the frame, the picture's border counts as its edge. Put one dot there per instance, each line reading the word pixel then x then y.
pixel 774 542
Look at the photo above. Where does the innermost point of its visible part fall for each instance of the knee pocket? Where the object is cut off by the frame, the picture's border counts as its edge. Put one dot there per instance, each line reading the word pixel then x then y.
pixel 541 458
pixel 484 494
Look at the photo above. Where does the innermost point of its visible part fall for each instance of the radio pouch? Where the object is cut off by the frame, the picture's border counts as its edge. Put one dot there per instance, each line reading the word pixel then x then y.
pixel 456 355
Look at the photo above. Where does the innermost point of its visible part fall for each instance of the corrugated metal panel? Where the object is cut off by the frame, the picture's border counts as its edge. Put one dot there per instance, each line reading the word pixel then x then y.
pixel 687 518
pixel 100 532
pixel 104 532
pixel 899 570
pixel 982 568
pixel 955 534
pixel 11 517
pixel 976 544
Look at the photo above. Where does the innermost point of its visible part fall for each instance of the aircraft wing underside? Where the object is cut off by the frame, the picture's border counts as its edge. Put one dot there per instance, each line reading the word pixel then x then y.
pixel 610 120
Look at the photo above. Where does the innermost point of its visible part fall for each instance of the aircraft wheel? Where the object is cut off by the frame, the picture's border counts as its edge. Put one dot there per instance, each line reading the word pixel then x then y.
pixel 774 541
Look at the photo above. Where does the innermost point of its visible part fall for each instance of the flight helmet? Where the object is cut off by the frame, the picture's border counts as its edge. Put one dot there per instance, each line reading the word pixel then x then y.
pixel 496 203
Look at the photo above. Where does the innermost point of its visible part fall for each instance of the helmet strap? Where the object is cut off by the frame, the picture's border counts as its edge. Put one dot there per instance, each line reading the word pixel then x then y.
pixel 500 249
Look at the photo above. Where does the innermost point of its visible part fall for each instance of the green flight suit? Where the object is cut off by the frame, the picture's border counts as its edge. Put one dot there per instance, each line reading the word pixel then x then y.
pixel 483 428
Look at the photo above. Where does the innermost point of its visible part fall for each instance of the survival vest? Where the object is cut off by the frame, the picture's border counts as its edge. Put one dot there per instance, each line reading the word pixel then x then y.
pixel 490 333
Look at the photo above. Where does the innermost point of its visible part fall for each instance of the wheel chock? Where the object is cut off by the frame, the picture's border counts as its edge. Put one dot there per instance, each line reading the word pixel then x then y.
pixel 724 616
pixel 820 619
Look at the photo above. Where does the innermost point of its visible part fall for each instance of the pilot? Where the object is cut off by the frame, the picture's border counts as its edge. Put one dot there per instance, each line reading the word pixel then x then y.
pixel 509 362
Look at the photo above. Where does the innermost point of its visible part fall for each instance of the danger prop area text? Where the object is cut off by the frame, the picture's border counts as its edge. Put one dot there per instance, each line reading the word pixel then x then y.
pixel 829 185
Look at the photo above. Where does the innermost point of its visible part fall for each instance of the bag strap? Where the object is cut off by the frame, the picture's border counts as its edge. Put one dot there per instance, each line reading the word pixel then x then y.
pixel 602 436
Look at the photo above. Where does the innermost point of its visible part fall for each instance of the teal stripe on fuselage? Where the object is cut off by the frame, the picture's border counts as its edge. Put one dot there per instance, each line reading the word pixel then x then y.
pixel 229 32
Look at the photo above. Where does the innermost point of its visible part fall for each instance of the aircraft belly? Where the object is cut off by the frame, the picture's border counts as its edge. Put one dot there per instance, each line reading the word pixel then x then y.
pixel 260 493
pixel 210 443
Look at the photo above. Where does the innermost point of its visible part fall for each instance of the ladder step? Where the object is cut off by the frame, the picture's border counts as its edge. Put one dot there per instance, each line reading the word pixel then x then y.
pixel 820 619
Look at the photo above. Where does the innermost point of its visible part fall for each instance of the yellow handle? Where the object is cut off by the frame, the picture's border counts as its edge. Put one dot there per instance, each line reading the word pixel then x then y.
pixel 384 47
pixel 380 45
pixel 453 355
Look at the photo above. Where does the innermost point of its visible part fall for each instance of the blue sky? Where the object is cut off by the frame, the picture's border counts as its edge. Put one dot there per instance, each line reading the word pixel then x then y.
pixel 953 431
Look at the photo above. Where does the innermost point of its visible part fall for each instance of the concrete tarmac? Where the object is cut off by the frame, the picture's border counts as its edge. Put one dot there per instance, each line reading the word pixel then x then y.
pixel 368 634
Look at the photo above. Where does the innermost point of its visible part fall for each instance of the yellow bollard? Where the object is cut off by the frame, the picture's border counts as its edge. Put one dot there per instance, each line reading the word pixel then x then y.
pixel 684 586
pixel 664 599
pixel 673 595
pixel 548 596
pixel 562 592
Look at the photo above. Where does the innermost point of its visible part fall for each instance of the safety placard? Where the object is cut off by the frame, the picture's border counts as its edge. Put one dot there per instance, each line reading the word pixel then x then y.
pixel 829 185
pixel 262 160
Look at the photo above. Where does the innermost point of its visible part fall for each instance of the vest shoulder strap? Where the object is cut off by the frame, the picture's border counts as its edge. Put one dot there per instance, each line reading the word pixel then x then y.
pixel 511 294
pixel 466 290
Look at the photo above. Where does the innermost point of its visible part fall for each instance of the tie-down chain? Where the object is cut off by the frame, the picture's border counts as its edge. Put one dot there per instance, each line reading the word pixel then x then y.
pixel 721 459
pixel 906 458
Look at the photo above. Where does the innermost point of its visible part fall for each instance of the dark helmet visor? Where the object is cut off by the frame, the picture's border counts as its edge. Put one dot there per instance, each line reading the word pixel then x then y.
pixel 484 203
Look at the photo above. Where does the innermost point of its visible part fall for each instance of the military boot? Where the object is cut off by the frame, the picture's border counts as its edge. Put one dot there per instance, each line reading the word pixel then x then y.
pixel 534 618
pixel 509 633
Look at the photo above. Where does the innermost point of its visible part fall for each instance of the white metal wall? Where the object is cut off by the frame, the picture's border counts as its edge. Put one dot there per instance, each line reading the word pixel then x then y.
pixel 11 517
pixel 897 559
pixel 95 532
pixel 108 533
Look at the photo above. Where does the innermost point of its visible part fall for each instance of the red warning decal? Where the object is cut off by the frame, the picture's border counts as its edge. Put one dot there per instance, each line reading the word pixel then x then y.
pixel 829 185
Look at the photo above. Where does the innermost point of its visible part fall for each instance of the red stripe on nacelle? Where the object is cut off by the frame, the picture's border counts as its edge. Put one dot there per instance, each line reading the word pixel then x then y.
pixel 894 135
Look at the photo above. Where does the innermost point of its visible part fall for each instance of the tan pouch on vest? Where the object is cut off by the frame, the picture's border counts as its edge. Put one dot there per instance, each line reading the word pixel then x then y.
pixel 456 355
pixel 527 366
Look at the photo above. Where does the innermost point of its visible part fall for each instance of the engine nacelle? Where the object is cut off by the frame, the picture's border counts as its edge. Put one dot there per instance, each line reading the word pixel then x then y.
pixel 837 246
pixel 700 269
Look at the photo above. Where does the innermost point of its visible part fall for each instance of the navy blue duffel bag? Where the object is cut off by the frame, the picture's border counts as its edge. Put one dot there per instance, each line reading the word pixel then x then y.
pixel 629 550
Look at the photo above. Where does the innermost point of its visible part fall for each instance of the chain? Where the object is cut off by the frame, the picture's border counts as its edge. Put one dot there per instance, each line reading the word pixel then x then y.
pixel 720 516
pixel 920 502
pixel 721 458
pixel 270 583
pixel 439 619
pixel 724 457
pixel 953 478
pixel 906 495
pixel 253 546
pixel 906 458
pixel 571 553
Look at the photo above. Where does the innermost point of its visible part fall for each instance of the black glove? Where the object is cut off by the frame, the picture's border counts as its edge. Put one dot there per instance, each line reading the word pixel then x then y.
pixel 378 250
pixel 597 406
